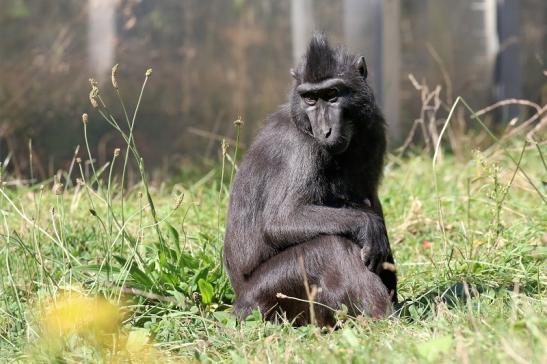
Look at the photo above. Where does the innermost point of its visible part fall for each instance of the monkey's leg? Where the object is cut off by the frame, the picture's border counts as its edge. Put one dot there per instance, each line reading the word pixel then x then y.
pixel 386 272
pixel 304 222
pixel 330 263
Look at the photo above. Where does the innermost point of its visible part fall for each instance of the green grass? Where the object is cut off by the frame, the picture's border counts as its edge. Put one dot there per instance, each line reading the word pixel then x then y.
pixel 473 284
pixel 444 316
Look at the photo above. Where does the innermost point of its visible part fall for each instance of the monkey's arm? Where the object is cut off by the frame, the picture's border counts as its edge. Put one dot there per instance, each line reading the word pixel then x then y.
pixel 305 222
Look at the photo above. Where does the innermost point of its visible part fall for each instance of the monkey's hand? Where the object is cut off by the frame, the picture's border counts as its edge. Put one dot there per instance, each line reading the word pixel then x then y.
pixel 372 237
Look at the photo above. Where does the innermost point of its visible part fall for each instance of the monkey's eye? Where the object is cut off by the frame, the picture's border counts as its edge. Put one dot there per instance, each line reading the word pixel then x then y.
pixel 310 100
pixel 332 95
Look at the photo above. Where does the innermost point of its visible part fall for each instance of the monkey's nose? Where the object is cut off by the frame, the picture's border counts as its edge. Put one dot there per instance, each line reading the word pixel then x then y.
pixel 327 133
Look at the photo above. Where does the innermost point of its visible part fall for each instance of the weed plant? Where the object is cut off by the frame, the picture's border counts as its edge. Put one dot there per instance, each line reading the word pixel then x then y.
pixel 96 270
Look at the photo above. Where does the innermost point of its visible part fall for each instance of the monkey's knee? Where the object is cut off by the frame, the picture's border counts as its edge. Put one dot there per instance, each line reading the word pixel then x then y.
pixel 243 306
pixel 241 309
pixel 254 299
pixel 371 297
pixel 360 290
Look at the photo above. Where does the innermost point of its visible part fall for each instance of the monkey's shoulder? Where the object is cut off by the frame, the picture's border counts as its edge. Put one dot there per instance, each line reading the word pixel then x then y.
pixel 276 143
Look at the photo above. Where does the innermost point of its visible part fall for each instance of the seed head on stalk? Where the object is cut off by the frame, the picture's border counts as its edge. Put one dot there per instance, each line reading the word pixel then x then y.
pixel 94 93
pixel 114 80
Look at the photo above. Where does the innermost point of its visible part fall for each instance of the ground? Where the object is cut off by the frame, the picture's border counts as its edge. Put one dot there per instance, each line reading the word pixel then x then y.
pixel 469 237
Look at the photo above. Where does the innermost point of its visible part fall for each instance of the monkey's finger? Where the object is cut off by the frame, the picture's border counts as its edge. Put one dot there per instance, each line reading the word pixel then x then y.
pixel 376 263
pixel 365 253
pixel 372 263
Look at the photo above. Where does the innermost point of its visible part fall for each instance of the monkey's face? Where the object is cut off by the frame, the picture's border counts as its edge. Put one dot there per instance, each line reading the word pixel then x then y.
pixel 331 98
pixel 323 103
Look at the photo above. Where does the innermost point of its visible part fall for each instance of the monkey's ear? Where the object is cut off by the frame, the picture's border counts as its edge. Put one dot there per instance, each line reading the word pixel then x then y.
pixel 293 73
pixel 362 67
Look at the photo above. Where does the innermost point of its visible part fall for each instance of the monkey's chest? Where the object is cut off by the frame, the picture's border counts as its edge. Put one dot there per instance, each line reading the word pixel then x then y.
pixel 346 189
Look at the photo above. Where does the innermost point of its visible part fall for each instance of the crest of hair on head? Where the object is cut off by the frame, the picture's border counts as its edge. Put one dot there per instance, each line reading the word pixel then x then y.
pixel 320 60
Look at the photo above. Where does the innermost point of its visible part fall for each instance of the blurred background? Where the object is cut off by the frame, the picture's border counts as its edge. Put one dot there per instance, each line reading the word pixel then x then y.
pixel 215 61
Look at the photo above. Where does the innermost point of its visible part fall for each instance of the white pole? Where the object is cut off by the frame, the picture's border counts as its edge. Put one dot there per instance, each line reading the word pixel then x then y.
pixel 101 37
pixel 302 26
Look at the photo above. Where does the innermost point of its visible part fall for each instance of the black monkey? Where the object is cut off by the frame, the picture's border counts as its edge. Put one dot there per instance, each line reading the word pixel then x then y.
pixel 304 204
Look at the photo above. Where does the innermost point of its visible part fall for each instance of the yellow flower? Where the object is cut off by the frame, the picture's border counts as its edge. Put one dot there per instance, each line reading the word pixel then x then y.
pixel 98 323
pixel 73 313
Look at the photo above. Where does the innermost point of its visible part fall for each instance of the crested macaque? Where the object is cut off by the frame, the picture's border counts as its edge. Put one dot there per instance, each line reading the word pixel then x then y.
pixel 304 208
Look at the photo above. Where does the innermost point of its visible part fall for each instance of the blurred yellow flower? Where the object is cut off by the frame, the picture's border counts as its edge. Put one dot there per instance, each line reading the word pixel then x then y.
pixel 98 322
pixel 73 313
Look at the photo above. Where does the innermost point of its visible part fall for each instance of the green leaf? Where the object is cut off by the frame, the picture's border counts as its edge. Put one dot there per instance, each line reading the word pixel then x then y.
pixel 350 337
pixel 206 290
pixel 166 255
pixel 96 268
pixel 432 349
pixel 138 275
pixel 19 9
pixel 174 235
pixel 225 318
pixel 137 341
pixel 169 278
pixel 186 260
pixel 254 319
pixel 104 272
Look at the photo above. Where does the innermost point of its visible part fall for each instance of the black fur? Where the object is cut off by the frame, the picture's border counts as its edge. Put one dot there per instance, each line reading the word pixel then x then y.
pixel 307 190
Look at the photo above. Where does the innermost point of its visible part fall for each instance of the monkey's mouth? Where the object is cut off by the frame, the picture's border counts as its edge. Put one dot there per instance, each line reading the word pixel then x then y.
pixel 336 147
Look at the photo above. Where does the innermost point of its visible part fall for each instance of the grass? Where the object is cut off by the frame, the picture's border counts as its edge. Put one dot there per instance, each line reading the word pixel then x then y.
pixel 93 272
